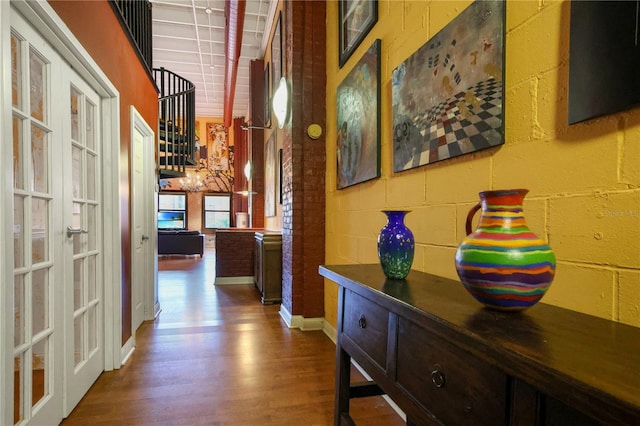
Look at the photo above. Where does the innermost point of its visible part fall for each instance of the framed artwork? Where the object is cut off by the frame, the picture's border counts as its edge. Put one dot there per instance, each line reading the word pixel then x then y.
pixel 358 139
pixel 270 176
pixel 355 18
pixel 280 168
pixel 447 98
pixel 267 97
pixel 603 59
pixel 276 53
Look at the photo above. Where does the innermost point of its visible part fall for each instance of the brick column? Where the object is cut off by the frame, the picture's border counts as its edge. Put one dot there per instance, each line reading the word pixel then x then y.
pixel 304 159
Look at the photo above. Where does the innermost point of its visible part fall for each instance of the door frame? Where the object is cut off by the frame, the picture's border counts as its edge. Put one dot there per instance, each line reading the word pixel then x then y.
pixel 6 228
pixel 42 16
pixel 150 263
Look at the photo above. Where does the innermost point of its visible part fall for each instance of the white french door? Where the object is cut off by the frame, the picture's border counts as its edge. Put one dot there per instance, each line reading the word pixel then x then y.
pixel 84 352
pixel 58 309
pixel 37 237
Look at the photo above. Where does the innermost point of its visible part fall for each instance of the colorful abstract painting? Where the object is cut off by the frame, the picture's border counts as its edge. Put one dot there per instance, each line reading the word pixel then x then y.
pixel 358 138
pixel 447 97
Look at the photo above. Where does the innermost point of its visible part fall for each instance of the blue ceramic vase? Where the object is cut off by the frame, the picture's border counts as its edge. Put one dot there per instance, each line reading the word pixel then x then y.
pixel 396 245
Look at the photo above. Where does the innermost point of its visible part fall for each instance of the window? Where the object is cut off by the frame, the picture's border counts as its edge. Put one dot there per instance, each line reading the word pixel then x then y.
pixel 172 210
pixel 217 211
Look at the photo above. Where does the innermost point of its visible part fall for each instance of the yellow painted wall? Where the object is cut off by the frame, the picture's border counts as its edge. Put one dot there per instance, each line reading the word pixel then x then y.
pixel 584 180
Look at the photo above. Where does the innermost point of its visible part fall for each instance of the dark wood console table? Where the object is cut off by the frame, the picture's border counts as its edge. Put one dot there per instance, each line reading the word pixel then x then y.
pixel 268 266
pixel 444 359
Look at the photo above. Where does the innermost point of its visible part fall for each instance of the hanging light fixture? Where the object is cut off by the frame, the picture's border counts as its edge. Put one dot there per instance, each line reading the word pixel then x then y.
pixel 192 183
pixel 247 174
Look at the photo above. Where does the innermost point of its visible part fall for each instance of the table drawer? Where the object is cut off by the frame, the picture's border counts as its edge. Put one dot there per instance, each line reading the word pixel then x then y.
pixel 366 323
pixel 455 387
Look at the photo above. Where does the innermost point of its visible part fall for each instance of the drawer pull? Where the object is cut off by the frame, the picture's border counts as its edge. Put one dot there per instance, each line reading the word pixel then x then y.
pixel 362 322
pixel 438 378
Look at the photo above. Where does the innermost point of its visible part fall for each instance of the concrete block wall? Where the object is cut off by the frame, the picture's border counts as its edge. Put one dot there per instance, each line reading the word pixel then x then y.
pixel 584 179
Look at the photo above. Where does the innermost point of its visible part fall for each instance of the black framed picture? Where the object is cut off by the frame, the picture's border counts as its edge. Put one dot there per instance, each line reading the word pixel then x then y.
pixel 267 97
pixel 280 170
pixel 448 97
pixel 270 176
pixel 355 18
pixel 604 59
pixel 276 53
pixel 358 106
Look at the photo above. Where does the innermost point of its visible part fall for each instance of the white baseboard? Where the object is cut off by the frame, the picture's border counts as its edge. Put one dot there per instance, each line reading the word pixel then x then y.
pixel 233 280
pixel 127 350
pixel 298 321
pixel 392 404
pixel 156 310
pixel 330 332
pixel 154 315
pixel 333 335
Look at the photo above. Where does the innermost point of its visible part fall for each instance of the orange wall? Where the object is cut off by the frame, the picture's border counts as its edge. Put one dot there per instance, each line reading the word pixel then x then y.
pixel 97 28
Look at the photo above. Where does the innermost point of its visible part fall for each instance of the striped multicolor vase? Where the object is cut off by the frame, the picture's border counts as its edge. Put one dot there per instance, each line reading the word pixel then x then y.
pixel 502 263
pixel 396 245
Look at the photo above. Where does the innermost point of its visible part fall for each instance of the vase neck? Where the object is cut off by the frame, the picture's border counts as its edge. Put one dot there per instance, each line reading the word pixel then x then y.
pixel 395 216
pixel 503 209
pixel 508 197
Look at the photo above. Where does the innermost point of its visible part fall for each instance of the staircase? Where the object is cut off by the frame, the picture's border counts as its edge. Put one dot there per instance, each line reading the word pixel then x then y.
pixel 177 134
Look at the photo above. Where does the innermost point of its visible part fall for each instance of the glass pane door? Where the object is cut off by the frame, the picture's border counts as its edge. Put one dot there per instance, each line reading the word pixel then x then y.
pixel 84 224
pixel 57 286
pixel 33 197
pixel 83 275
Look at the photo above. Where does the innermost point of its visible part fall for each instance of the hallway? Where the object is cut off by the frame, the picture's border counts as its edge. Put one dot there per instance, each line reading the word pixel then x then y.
pixel 217 356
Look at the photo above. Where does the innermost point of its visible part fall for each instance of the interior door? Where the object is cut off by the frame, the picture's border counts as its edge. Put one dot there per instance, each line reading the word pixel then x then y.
pixel 139 278
pixel 144 263
pixel 37 222
pixel 84 322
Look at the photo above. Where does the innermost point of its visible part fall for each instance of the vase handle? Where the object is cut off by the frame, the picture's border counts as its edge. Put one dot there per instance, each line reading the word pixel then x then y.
pixel 470 215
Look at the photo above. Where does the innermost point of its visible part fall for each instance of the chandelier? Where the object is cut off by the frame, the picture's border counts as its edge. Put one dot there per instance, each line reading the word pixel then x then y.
pixel 192 183
pixel 203 178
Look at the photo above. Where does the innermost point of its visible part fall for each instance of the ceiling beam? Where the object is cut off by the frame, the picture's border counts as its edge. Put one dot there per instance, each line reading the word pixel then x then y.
pixel 234 12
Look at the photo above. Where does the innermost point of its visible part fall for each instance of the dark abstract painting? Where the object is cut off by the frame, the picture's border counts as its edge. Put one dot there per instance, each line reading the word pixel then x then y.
pixel 604 58
pixel 358 104
pixel 448 96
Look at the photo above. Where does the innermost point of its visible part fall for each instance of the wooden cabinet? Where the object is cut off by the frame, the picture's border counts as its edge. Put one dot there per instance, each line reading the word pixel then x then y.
pixel 446 360
pixel 268 266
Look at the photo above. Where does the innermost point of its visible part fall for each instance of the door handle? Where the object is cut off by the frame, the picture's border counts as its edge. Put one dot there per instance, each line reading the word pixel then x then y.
pixel 145 238
pixel 71 231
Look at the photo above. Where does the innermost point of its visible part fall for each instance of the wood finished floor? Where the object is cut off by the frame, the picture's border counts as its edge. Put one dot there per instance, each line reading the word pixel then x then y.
pixel 217 356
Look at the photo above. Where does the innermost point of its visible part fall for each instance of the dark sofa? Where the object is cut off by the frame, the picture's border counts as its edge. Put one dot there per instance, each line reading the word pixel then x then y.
pixel 180 242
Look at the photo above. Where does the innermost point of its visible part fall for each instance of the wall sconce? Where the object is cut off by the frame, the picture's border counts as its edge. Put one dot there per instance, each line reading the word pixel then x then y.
pixel 281 102
pixel 247 174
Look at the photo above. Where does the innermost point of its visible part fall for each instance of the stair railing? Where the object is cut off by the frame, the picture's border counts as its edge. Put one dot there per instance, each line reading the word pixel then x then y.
pixel 177 142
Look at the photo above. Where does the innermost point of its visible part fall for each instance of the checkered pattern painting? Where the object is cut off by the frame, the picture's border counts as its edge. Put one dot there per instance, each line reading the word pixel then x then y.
pixel 448 96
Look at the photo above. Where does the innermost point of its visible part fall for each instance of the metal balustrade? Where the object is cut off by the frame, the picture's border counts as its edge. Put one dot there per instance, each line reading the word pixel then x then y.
pixel 177 143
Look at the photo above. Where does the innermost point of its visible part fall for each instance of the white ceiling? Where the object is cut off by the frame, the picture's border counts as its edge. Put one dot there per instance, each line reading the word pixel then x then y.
pixel 188 39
